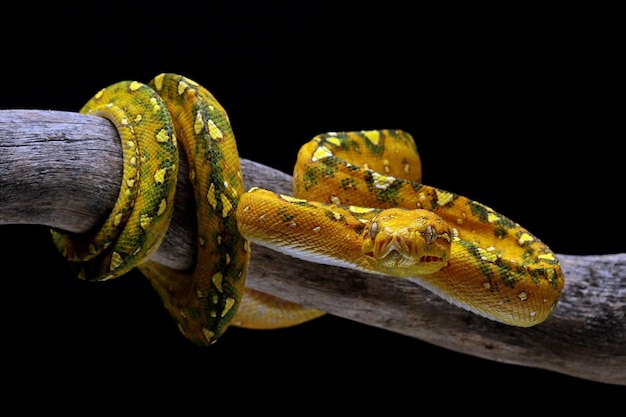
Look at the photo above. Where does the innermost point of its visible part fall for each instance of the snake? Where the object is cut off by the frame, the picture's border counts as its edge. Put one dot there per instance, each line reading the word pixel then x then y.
pixel 358 202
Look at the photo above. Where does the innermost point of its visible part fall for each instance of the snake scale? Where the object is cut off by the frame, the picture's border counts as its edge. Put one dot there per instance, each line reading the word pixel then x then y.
pixel 358 202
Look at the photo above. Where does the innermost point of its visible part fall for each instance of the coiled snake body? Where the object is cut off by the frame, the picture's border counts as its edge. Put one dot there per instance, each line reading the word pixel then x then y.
pixel 358 202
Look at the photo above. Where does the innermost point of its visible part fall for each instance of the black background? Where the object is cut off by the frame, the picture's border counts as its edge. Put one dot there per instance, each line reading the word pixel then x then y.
pixel 513 106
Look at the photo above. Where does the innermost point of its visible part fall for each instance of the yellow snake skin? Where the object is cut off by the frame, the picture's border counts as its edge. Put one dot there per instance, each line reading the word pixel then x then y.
pixel 171 109
pixel 143 210
pixel 492 266
pixel 358 202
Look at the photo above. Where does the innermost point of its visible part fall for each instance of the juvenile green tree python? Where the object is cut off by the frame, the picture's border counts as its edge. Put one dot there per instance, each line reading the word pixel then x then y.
pixel 358 203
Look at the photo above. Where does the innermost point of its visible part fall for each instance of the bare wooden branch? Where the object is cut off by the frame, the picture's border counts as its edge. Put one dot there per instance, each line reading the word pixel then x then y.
pixel 63 170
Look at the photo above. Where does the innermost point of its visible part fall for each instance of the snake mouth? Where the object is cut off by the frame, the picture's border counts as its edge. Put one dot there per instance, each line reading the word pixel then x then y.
pixel 430 259
pixel 402 251
pixel 403 256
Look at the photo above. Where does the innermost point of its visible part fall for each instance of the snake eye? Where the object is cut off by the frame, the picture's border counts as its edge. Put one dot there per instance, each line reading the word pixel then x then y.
pixel 430 234
pixel 373 230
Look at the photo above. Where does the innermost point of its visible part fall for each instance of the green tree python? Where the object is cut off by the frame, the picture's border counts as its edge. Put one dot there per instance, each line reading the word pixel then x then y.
pixel 358 202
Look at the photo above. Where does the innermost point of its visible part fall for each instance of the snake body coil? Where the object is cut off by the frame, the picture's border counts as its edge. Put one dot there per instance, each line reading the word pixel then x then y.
pixel 483 261
pixel 358 202
pixel 172 109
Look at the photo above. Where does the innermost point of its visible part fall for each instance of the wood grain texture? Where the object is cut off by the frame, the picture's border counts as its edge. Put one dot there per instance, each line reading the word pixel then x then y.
pixel 63 169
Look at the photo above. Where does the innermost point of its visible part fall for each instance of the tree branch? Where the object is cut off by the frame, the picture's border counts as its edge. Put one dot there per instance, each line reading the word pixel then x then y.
pixel 63 169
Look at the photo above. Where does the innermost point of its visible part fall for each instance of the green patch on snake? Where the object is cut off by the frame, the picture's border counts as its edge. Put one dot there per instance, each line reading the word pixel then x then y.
pixel 348 184
pixel 474 252
pixel 310 178
pixel 552 278
pixel 530 256
pixel 359 228
pixel 508 275
pixel 479 210
pixel 340 140
pixel 486 215
pixel 374 148
pixel 505 222
pixel 500 232
pixel 384 191
pixel 316 174
pixel 540 274
pixel 335 216
pixel 297 201
pixel 429 198
pixel 284 216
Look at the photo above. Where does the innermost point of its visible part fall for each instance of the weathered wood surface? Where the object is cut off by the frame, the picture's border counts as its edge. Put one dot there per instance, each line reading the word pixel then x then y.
pixel 63 169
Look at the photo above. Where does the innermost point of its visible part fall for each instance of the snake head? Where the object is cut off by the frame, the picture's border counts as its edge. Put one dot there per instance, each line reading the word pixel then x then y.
pixel 407 242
